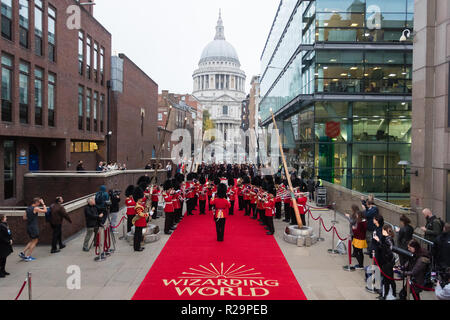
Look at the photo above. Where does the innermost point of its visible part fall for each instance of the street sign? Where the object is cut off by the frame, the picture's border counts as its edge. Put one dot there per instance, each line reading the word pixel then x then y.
pixel 23 161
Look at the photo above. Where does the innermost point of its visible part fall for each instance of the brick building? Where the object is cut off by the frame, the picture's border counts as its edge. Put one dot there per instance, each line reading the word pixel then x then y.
pixel 54 91
pixel 184 108
pixel 134 108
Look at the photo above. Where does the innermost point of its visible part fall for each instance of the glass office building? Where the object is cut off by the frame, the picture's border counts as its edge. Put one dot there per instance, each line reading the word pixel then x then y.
pixel 338 77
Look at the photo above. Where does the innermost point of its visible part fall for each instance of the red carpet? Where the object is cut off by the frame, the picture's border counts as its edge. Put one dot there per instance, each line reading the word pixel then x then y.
pixel 248 265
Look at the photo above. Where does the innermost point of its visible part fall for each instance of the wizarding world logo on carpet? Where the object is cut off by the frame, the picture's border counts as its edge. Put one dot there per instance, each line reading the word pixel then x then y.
pixel 222 281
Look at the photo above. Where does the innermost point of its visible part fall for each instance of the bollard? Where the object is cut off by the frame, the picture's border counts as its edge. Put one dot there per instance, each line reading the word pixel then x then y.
pixel 349 267
pixel 333 250
pixel 319 238
pixel 124 233
pixel 29 286
pixel 408 288
pixel 334 208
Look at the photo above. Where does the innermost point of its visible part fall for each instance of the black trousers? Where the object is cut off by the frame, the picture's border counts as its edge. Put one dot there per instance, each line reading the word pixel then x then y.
pixel 359 255
pixel 261 213
pixel 311 196
pixel 247 207
pixel 387 268
pixel 2 264
pixel 241 203
pixel 253 207
pixel 269 222
pixel 231 211
pixel 155 205
pixel 57 236
pixel 137 238
pixel 293 218
pixel 278 210
pixel 190 206
pixel 287 212
pixel 202 206
pixel 220 228
pixel 209 203
pixel 168 223
pixel 129 223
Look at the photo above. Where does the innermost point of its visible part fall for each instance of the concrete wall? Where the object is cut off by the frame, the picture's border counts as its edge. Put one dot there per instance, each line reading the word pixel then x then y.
pixel 430 124
pixel 345 198
pixel 72 186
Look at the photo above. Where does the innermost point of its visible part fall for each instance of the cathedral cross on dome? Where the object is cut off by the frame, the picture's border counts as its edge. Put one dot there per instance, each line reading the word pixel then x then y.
pixel 220 30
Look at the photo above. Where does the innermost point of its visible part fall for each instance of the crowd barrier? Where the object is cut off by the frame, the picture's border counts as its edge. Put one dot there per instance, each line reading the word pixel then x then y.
pixel 27 281
pixel 410 285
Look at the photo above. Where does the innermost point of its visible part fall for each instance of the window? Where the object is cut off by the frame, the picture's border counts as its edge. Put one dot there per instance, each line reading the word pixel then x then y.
pixel 225 110
pixel 51 99
pixel 51 34
pixel 88 57
pixel 102 65
pixel 38 27
pixel 95 62
pixel 160 117
pixel 24 76
pixel 7 65
pixel 24 12
pixel 80 52
pixel 86 146
pixel 7 19
pixel 38 95
pixel 88 109
pixel 102 111
pixel 9 168
pixel 80 107
pixel 95 106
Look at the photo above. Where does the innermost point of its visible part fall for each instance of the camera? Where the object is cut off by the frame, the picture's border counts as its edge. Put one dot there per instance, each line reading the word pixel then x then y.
pixel 403 252
pixel 440 275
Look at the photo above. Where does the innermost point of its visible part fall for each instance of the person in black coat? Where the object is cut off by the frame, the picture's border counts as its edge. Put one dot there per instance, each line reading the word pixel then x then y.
pixel 385 258
pixel 92 222
pixel 405 235
pixel 5 245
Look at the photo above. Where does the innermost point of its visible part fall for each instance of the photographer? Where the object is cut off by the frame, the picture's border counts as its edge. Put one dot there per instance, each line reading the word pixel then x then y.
pixel 115 200
pixel 92 220
pixel 442 289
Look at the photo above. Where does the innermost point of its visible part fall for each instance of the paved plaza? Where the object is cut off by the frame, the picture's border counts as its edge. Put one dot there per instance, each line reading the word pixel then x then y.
pixel 319 273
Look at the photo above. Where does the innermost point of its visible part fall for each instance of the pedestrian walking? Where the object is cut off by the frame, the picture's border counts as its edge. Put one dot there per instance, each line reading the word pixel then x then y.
pixel 32 212
pixel 58 214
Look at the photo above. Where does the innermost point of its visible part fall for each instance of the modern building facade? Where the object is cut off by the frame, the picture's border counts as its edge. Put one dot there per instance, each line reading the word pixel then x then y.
pixel 337 75
pixel 219 84
pixel 54 91
pixel 431 109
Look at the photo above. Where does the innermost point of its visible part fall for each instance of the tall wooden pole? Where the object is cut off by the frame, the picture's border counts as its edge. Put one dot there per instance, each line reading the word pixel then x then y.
pixel 158 160
pixel 288 176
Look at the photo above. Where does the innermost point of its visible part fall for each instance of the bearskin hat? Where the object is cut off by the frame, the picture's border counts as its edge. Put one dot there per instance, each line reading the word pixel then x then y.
pixel 190 176
pixel 272 190
pixel 176 185
pixel 129 191
pixel 167 185
pixel 202 180
pixel 230 182
pixel 222 191
pixel 179 177
pixel 138 194
pixel 216 181
pixel 246 180
pixel 144 180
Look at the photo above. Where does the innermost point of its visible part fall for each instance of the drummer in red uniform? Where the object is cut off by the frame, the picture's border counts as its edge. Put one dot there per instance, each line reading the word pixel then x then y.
pixel 302 199
pixel 269 207
pixel 140 220
pixel 202 195
pixel 168 207
pixel 221 209
pixel 130 204
pixel 155 198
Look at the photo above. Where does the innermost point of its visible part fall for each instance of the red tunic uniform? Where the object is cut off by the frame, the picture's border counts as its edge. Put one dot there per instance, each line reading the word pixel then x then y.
pixel 202 193
pixel 155 195
pixel 142 221
pixel 131 205
pixel 222 208
pixel 301 203
pixel 269 207
pixel 168 208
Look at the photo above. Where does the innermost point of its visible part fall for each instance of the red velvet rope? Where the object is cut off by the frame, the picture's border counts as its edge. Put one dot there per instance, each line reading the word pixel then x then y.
pixel 21 289
pixel 423 288
pixel 337 234
pixel 123 218
pixel 321 220
pixel 386 276
pixel 107 245
pixel 413 292
pixel 318 208
pixel 315 219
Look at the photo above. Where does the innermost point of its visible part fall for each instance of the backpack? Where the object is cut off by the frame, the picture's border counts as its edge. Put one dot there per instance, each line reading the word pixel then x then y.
pixel 99 199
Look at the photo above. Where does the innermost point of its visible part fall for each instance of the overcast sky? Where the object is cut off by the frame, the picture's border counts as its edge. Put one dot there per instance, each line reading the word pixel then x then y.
pixel 165 38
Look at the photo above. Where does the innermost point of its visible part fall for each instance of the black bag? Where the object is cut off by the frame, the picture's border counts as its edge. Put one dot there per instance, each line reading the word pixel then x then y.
pixel 48 215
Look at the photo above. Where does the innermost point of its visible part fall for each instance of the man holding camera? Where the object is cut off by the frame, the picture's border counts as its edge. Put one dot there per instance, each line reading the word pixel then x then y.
pixel 442 289
pixel 102 201
pixel 115 201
